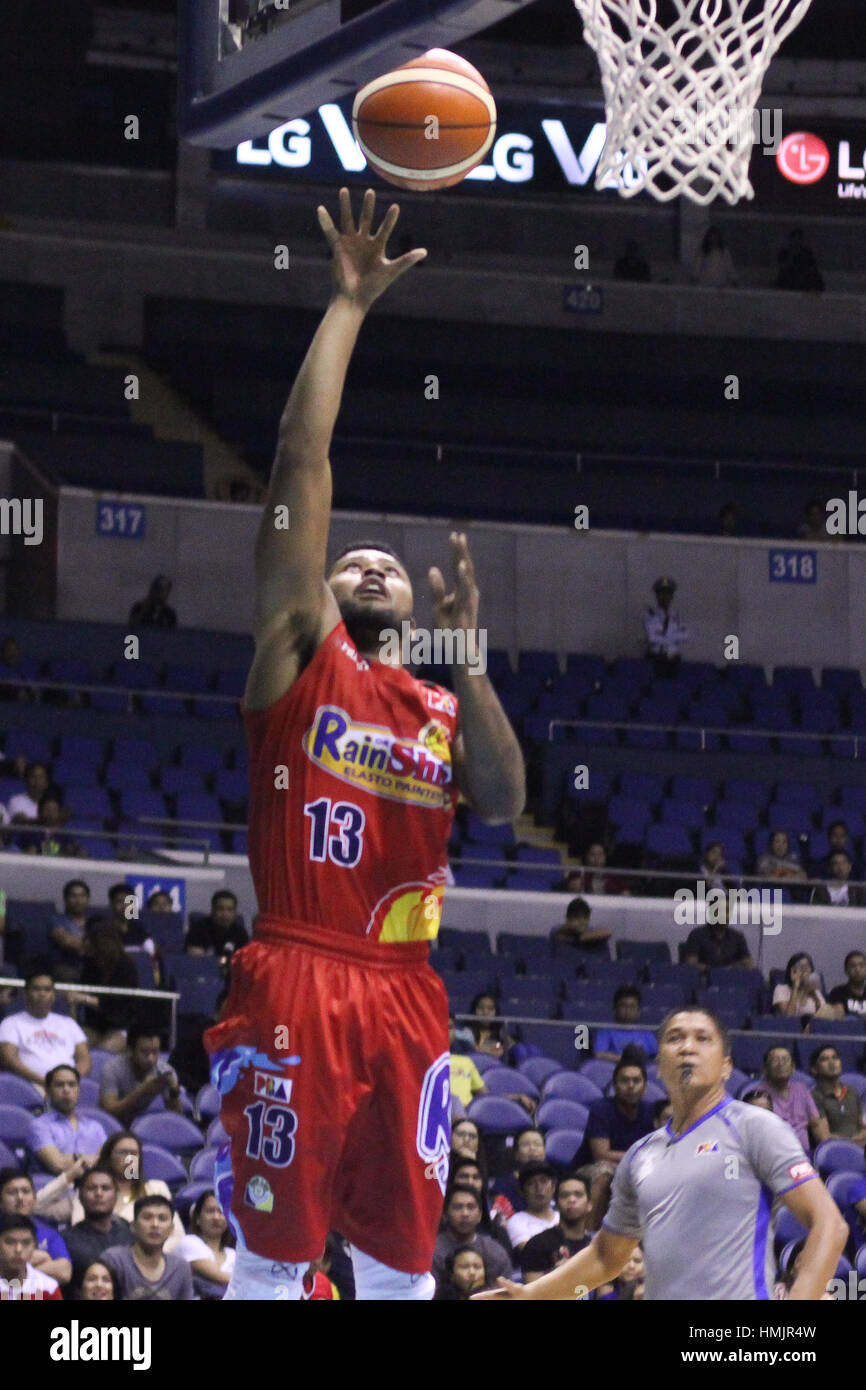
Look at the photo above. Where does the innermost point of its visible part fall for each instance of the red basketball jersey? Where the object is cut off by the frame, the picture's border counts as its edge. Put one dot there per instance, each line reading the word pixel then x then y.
pixel 352 797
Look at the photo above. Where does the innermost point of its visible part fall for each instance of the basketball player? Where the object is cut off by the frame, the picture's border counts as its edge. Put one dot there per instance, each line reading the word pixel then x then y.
pixel 703 1192
pixel 332 1052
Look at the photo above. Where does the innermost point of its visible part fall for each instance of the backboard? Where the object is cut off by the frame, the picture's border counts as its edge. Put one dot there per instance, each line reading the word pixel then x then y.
pixel 246 66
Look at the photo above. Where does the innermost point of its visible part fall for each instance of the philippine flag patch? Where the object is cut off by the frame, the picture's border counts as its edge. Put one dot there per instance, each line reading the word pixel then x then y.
pixel 711 1147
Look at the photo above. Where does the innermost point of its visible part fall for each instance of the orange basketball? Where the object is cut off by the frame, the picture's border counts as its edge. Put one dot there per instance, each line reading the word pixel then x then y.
pixel 427 123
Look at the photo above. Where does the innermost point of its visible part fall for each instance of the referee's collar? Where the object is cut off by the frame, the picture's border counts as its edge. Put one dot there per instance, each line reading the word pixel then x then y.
pixel 675 1138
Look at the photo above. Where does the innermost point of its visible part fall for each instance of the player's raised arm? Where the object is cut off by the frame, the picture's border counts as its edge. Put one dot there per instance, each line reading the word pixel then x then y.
pixel 294 608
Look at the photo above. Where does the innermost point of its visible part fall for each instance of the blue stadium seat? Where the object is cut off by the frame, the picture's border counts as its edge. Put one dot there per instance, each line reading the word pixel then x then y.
pixel 159 1164
pixel 201 1168
pixel 538 1069
pixel 571 1085
pixel 561 1145
pixel 497 1115
pixel 600 1072
pixel 556 1113
pixel 839 1155
pixel 643 952
pixel 504 1081
pixel 172 1132
pixel 17 1092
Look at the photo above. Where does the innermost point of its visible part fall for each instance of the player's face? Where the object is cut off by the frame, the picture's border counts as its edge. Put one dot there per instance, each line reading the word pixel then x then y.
pixel 468 1272
pixel 691 1055
pixel 373 592
pixel 96 1284
pixel 629 1085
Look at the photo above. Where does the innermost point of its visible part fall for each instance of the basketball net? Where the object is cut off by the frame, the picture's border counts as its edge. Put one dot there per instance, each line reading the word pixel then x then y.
pixel 681 93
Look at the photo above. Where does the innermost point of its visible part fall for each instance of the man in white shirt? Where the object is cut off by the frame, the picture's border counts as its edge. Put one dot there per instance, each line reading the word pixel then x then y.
pixel 19 1281
pixel 35 1040
pixel 665 631
pixel 24 806
pixel 537 1182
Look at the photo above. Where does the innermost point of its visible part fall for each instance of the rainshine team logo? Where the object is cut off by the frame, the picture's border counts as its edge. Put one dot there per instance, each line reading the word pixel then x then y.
pixel 414 771
pixel 433 1139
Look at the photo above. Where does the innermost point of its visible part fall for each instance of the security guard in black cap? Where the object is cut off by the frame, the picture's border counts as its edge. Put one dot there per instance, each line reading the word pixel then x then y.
pixel 665 631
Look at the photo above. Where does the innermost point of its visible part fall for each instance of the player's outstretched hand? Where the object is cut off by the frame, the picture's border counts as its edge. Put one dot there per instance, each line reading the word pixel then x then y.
pixel 506 1289
pixel 459 609
pixel 361 270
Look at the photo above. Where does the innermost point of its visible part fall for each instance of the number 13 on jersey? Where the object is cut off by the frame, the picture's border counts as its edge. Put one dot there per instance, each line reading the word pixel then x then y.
pixel 336 831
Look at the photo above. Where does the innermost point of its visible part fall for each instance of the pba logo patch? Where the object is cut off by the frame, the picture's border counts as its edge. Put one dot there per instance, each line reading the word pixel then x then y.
pixel 799 1171
pixel 274 1088
pixel 711 1147
pixel 258 1194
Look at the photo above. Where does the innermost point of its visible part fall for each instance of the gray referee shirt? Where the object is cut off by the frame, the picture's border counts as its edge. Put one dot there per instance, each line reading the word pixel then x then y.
pixel 704 1204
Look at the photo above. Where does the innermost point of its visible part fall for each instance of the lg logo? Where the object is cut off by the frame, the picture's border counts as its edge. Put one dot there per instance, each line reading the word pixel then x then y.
pixel 803 157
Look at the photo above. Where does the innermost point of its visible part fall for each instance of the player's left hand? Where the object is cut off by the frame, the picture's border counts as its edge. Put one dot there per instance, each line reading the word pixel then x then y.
pixel 459 609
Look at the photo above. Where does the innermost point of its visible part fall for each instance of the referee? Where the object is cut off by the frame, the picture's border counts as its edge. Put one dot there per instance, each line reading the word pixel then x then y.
pixel 702 1194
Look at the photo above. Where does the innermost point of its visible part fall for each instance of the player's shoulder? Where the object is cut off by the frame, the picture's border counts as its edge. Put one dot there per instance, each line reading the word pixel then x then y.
pixel 656 1139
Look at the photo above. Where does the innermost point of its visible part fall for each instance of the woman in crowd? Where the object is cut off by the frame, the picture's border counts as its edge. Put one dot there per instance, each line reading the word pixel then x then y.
pixel 466 1140
pixel 465 1274
pixel 800 996
pixel 98 1284
pixel 489 1037
pixel 780 860
pixel 106 963
pixel 209 1248
pixel 122 1153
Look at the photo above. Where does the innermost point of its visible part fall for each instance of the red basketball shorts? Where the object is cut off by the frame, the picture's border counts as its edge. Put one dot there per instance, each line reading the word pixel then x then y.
pixel 332 1061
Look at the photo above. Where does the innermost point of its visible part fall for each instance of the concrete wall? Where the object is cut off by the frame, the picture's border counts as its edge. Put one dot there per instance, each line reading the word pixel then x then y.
pixel 542 588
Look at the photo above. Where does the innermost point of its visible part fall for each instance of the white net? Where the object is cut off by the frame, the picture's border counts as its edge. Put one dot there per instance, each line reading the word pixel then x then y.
pixel 681 82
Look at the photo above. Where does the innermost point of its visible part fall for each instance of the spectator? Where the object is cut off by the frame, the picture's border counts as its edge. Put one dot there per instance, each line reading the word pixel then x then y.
pixel 576 931
pixel 662 1112
pixel 221 933
pixel 67 931
pixel 716 945
pixel 631 265
pixel 461 1220
pixel 838 892
pixel 800 996
pixel 121 1154
pixel 728 520
pixel 547 1249
pixel 98 1284
pixel 465 1139
pixel 470 1174
pixel 838 1104
pixel 571 882
pixel 596 858
pixel 35 1040
pixel 665 631
pixel 209 1248
pixel 106 963
pixel 464 1274
pixel 132 1080
pixel 99 1228
pixel 618 1121
pixel 813 527
pixel 507 1191
pixel 838 838
pixel 50 818
pixel 798 268
pixel 60 1137
pixel 154 611
pixel 780 860
pixel 852 995
pixel 537 1183
pixel 14 673
pixel 145 1270
pixel 20 1279
pixel 759 1098
pixel 630 1284
pixel 489 1037
pixel 610 1042
pixel 120 898
pixel 712 265
pixel 791 1099
pixel 466 1080
pixel 18 1198
pixel 23 808
pixel 461 1039
pixel 159 901
pixel 713 866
